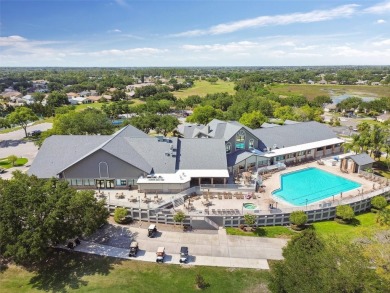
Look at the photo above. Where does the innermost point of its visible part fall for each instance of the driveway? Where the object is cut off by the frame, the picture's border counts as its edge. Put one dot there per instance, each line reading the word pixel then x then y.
pixel 217 249
pixel 12 144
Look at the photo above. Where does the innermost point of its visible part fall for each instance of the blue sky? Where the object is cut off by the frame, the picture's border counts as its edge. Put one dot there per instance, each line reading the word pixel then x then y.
pixel 194 32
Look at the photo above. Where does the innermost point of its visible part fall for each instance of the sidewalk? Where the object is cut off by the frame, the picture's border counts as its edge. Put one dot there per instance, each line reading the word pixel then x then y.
pixel 93 248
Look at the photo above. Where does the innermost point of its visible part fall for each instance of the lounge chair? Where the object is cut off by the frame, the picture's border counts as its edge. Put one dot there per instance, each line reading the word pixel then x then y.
pixel 213 211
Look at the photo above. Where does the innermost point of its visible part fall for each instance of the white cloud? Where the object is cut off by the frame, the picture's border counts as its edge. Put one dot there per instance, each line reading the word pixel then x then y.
pixel 11 40
pixel 380 21
pixel 283 19
pixel 115 31
pixel 382 43
pixel 122 3
pixel 229 47
pixel 379 8
pixel 127 52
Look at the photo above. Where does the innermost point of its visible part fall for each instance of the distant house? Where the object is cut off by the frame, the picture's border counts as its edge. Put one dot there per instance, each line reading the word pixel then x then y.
pixel 94 99
pixel 28 99
pixel 310 81
pixel 361 82
pixel 375 83
pixel 11 95
pixel 322 82
pixel 384 117
pixel 107 97
pixel 330 107
pixel 79 100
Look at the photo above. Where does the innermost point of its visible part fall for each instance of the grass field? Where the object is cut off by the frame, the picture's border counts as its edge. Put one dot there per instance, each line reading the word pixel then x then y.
pixel 362 225
pixel 71 272
pixel 202 88
pixel 4 163
pixel 85 106
pixel 311 91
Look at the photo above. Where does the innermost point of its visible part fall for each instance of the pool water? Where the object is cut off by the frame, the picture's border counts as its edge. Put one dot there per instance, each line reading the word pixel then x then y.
pixel 249 206
pixel 310 185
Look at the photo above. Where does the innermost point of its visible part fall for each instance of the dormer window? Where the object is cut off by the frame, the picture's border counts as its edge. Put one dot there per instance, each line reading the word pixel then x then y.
pixel 251 144
pixel 228 147
pixel 240 140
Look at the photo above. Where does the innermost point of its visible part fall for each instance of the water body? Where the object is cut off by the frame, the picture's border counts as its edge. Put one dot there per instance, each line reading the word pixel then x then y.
pixel 340 98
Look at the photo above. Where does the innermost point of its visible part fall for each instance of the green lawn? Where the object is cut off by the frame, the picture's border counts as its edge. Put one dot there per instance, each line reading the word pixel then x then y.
pixel 362 225
pixel 4 163
pixel 71 272
pixel 272 232
pixel 311 91
pixel 92 105
pixel 202 88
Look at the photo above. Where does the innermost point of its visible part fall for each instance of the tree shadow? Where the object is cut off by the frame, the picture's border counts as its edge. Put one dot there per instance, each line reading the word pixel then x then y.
pixel 260 232
pixel 65 269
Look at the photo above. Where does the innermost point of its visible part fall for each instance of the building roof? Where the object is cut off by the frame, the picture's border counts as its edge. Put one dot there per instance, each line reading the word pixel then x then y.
pixel 292 135
pixel 362 159
pixel 202 154
pixel 239 156
pixel 269 125
pixel 49 163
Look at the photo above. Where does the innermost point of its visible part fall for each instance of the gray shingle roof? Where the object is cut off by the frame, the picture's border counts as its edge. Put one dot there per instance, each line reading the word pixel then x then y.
pixel 188 130
pixel 202 154
pixel 269 125
pixel 238 156
pixel 362 159
pixel 294 134
pixel 130 131
pixel 60 151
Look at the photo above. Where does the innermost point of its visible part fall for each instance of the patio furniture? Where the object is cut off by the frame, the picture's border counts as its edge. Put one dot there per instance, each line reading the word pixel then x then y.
pixel 254 196
pixel 219 196
pixel 218 211
pixel 213 211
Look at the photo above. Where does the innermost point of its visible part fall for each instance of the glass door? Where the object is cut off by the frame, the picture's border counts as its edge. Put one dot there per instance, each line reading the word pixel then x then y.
pixel 99 183
pixel 110 183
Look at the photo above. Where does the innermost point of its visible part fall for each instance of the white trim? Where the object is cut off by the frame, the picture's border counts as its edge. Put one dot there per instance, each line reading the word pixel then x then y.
pixel 222 173
pixel 302 147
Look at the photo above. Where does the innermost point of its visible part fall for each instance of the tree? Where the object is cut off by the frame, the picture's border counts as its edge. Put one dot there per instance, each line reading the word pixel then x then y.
pixel 38 97
pixel 320 101
pixel 4 123
pixel 89 121
pixel 118 95
pixel 57 99
pixel 298 218
pixel 179 217
pixel 120 216
pixel 379 202
pixel 344 213
pixel 253 120
pixel 166 124
pixel 12 159
pixel 204 114
pixel 250 220
pixel 22 116
pixel 48 213
pixel 312 265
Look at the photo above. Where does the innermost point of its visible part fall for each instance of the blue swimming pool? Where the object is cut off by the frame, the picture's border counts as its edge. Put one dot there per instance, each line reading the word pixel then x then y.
pixel 311 184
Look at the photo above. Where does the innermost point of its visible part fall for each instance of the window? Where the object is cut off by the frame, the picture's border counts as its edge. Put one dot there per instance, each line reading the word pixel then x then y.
pixel 121 182
pixel 301 153
pixel 76 182
pixel 319 149
pixel 279 158
pixel 328 147
pixel 240 140
pixel 89 182
pixel 308 152
pixel 251 143
pixel 228 147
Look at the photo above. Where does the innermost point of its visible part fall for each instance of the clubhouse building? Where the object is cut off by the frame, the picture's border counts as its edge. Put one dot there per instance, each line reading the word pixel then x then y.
pixel 207 154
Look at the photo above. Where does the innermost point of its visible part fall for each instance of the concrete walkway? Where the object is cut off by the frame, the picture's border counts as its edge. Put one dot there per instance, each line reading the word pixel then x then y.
pixel 217 249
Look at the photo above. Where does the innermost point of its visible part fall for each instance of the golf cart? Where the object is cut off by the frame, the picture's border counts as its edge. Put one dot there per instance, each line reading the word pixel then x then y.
pixel 152 230
pixel 183 254
pixel 160 254
pixel 133 249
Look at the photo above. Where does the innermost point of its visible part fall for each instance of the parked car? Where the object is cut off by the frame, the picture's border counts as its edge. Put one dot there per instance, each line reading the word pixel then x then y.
pixel 183 254
pixel 36 132
pixel 152 230
pixel 133 249
pixel 160 254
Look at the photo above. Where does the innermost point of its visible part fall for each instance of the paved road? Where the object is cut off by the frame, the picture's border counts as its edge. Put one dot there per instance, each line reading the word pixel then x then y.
pixel 216 249
pixel 12 144
pixel 19 134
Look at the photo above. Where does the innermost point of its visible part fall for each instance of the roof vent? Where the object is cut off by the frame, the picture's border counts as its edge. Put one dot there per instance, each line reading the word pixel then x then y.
pixel 160 138
pixel 167 154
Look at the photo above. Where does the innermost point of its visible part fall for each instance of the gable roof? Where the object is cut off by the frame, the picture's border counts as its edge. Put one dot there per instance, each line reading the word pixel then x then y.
pixel 293 134
pixel 362 159
pixel 60 151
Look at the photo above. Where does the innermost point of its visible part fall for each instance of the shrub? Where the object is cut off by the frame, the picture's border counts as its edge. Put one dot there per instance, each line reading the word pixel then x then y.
pixel 298 219
pixel 250 220
pixel 344 213
pixel 201 282
pixel 179 217
pixel 379 202
pixel 120 216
